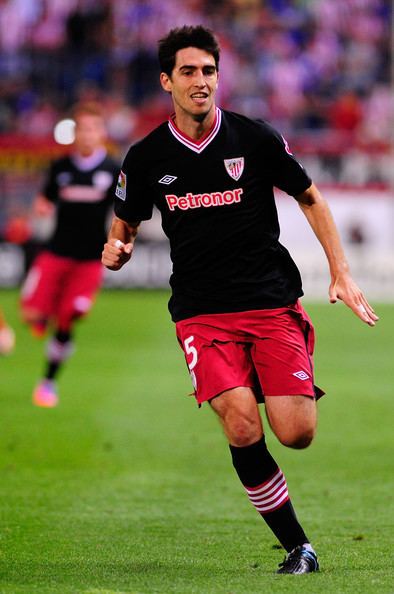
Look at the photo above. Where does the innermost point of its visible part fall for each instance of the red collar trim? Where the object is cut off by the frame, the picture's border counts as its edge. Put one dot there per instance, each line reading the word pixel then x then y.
pixel 196 145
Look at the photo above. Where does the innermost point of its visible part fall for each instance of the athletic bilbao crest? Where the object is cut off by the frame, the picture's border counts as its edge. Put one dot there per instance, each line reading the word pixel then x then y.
pixel 234 167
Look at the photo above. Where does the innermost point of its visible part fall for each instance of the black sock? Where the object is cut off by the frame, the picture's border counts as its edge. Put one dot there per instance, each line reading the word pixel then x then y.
pixel 51 370
pixel 59 349
pixel 63 336
pixel 266 487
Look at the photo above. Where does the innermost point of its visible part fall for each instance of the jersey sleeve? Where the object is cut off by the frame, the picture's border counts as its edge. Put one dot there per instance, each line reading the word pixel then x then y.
pixel 50 188
pixel 114 171
pixel 133 200
pixel 287 173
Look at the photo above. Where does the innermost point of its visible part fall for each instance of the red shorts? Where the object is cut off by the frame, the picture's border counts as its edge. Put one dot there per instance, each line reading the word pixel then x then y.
pixel 61 288
pixel 269 350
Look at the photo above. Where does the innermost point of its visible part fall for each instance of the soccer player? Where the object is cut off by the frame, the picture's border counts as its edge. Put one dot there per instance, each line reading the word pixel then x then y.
pixel 7 336
pixel 65 277
pixel 235 288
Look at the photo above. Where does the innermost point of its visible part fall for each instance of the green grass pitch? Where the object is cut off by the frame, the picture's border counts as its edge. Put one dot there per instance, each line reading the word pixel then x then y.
pixel 127 487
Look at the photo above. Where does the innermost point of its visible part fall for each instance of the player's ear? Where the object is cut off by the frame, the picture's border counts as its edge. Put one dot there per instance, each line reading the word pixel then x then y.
pixel 165 82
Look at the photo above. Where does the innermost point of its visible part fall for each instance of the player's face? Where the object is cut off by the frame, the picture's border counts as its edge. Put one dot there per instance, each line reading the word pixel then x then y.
pixel 89 133
pixel 193 83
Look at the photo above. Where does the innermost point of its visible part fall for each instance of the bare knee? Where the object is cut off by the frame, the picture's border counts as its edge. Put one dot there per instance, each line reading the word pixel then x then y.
pixel 292 419
pixel 30 316
pixel 298 440
pixel 242 431
pixel 239 415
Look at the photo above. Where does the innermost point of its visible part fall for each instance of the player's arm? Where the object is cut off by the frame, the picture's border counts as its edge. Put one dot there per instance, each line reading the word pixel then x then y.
pixel 342 286
pixel 42 206
pixel 119 247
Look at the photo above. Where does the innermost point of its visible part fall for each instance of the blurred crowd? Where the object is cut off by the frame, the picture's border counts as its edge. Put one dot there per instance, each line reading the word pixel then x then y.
pixel 305 65
pixel 318 70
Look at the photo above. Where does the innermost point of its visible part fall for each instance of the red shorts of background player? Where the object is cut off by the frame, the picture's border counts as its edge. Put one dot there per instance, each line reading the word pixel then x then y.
pixel 61 289
pixel 268 350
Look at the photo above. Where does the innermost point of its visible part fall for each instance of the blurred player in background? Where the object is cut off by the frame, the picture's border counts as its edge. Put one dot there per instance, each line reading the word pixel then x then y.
pixel 7 336
pixel 235 288
pixel 65 277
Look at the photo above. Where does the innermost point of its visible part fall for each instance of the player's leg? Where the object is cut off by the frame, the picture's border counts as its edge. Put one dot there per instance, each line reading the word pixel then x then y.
pixel 293 419
pixel 259 473
pixel 81 283
pixel 223 373
pixel 239 415
pixel 40 298
pixel 283 360
pixel 39 292
pixel 7 336
pixel 283 363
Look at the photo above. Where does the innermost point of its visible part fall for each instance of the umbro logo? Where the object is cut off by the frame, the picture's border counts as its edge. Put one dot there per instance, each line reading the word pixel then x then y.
pixel 167 180
pixel 301 375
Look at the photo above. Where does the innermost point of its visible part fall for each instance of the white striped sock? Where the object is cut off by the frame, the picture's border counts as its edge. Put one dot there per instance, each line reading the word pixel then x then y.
pixel 270 495
pixel 59 351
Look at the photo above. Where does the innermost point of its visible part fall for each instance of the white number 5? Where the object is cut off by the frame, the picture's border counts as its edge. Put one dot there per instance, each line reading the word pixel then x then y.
pixel 191 350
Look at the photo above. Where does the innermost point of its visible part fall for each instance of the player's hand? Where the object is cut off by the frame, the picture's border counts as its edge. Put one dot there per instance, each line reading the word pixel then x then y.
pixel 344 288
pixel 116 254
pixel 42 207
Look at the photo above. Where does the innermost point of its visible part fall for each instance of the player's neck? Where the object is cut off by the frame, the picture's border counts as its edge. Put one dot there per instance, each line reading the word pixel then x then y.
pixel 84 162
pixel 194 127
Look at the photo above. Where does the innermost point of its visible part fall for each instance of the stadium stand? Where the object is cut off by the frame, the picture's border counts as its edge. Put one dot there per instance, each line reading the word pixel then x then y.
pixel 317 70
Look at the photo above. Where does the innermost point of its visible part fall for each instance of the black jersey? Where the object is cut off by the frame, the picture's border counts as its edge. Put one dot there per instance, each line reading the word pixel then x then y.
pixel 218 211
pixel 83 194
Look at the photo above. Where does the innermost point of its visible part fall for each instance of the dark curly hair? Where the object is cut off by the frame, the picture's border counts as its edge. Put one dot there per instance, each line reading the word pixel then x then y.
pixel 182 37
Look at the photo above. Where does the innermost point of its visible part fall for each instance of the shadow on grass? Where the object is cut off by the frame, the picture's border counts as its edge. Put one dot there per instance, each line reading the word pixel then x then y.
pixel 144 575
